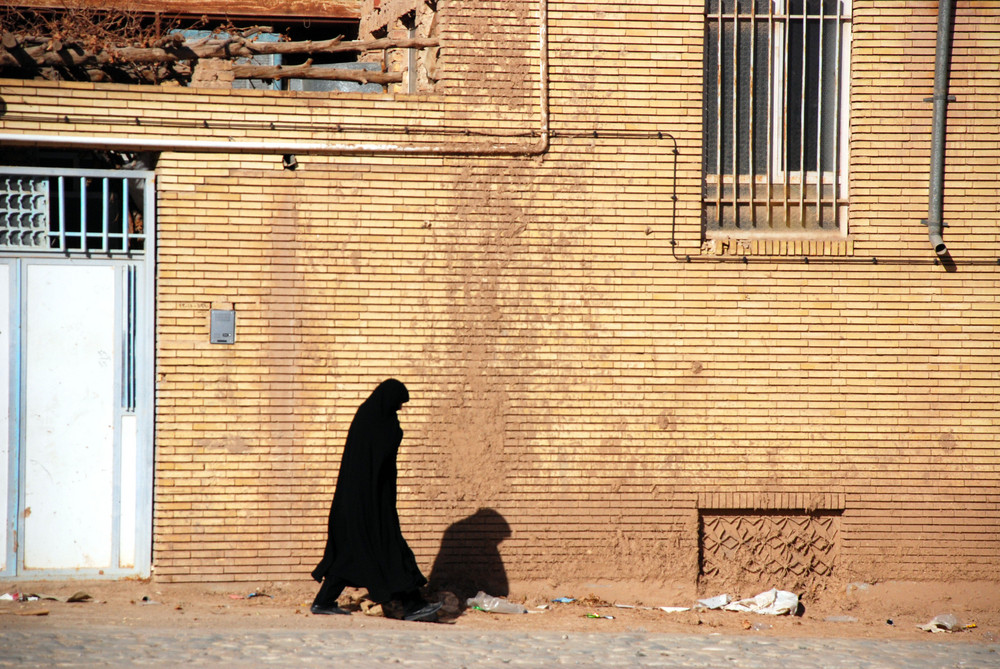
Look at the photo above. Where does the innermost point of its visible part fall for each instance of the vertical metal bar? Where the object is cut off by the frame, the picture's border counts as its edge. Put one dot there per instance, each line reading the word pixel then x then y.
pixel 784 113
pixel 123 400
pixel 128 347
pixel 770 111
pixel 802 121
pixel 753 113
pixel 836 119
pixel 125 218
pixel 83 214
pixel 819 116
pixel 718 122
pixel 735 107
pixel 132 334
pixel 105 213
pixel 62 213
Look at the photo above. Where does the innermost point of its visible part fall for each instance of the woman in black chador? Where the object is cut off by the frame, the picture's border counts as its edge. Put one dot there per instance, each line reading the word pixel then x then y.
pixel 365 547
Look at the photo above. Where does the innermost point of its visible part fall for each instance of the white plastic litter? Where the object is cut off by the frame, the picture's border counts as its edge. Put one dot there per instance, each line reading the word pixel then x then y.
pixel 492 604
pixel 774 602
pixel 675 609
pixel 716 602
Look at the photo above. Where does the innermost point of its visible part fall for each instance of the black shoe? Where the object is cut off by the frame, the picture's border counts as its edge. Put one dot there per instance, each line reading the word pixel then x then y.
pixel 328 610
pixel 423 612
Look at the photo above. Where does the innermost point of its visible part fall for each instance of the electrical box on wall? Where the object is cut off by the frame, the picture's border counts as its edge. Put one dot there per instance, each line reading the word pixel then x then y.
pixel 223 329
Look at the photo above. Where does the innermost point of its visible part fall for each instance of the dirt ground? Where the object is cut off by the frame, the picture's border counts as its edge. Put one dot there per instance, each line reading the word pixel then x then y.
pixel 890 610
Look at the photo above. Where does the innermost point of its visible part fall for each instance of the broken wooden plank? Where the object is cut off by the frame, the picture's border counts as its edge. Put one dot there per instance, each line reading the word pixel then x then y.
pixel 70 55
pixel 310 71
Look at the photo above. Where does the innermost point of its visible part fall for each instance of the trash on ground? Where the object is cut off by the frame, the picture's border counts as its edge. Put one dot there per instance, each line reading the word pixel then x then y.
pixel 595 615
pixel 774 602
pixel 943 623
pixel 491 604
pixel 18 597
pixel 563 600
pixel 757 627
pixel 251 595
pixel 713 603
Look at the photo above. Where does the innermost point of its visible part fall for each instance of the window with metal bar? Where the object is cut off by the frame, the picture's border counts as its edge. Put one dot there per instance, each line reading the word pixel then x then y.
pixel 775 116
pixel 74 211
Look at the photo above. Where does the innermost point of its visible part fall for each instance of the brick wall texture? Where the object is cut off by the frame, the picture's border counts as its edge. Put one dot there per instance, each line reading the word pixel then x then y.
pixel 577 361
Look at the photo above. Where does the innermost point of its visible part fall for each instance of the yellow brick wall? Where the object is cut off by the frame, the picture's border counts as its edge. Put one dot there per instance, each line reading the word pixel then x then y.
pixel 575 360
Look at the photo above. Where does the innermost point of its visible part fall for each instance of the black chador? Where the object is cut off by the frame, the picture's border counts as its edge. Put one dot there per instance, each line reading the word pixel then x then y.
pixel 365 547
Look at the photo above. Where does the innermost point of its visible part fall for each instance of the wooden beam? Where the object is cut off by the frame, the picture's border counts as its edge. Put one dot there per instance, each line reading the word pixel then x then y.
pixel 67 55
pixel 309 71
pixel 327 10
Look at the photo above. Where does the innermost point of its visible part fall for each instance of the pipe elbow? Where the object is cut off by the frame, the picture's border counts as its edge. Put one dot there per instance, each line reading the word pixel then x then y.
pixel 937 241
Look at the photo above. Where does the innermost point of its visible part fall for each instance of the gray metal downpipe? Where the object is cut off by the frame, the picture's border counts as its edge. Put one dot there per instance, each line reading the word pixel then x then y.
pixel 942 67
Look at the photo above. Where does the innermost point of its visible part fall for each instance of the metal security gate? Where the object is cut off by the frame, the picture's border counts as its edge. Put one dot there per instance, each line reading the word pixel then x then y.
pixel 76 330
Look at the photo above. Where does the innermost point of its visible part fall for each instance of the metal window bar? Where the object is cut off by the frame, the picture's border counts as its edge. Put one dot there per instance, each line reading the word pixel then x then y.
pixel 836 116
pixel 802 116
pixel 819 113
pixel 770 113
pixel 105 192
pixel 784 120
pixel 735 108
pixel 62 214
pixel 82 234
pixel 808 132
pixel 718 121
pixel 79 211
pixel 125 216
pixel 753 112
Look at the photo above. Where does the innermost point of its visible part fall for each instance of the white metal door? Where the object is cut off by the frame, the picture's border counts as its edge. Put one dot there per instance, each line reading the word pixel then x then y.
pixel 76 463
pixel 69 411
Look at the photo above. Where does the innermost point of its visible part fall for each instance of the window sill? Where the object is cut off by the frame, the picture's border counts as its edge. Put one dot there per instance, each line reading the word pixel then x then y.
pixel 769 244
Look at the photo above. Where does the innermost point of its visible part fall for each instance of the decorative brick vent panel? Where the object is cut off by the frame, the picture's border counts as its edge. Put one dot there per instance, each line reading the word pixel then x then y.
pixel 787 549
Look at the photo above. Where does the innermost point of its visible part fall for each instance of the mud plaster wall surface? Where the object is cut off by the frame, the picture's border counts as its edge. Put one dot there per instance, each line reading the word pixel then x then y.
pixel 567 369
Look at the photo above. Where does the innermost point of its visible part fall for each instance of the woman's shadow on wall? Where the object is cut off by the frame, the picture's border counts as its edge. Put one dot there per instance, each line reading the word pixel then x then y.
pixel 469 558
